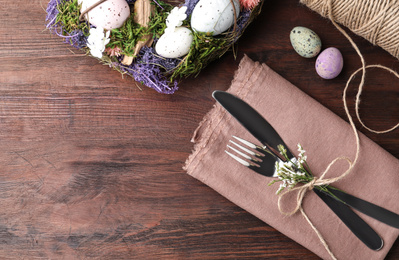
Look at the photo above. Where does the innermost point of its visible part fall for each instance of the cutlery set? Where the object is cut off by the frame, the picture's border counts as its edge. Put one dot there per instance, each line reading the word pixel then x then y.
pixel 262 159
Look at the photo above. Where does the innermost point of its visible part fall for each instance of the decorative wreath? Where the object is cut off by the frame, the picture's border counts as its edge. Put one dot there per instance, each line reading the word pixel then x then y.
pixel 155 42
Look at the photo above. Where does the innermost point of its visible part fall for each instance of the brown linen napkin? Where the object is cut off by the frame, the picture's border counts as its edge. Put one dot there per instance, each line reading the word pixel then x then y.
pixel 298 119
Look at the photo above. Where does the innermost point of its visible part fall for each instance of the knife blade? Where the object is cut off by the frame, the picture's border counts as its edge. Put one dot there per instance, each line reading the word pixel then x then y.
pixel 251 120
pixel 257 125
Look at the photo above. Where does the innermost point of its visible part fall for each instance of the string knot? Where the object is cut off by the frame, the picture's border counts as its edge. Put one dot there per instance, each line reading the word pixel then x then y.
pixel 312 183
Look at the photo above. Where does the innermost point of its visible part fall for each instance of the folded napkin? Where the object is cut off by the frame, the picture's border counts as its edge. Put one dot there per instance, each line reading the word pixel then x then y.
pixel 298 119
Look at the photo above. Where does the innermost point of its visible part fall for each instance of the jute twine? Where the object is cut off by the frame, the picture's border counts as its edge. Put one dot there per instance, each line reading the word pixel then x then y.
pixel 375 20
pixel 332 12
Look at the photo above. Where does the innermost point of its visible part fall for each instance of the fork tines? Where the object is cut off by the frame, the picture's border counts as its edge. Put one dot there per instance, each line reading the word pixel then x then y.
pixel 246 153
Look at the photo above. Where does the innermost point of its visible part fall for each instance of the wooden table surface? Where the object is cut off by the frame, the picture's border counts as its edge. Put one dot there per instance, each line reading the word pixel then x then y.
pixel 91 166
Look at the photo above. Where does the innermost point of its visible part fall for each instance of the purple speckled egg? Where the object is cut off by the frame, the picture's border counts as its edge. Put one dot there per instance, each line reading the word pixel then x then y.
pixel 329 63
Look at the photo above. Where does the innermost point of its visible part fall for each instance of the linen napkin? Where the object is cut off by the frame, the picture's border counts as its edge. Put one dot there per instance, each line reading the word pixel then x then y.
pixel 298 119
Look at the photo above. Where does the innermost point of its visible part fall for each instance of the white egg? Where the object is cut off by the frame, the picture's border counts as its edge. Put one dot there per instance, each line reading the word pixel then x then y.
pixel 175 44
pixel 214 16
pixel 109 15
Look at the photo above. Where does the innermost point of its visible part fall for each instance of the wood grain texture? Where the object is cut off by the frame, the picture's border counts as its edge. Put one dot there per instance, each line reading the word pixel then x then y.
pixel 91 166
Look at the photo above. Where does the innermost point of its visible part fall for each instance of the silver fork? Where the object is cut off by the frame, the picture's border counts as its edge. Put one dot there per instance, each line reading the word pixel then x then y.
pixel 252 156
pixel 262 161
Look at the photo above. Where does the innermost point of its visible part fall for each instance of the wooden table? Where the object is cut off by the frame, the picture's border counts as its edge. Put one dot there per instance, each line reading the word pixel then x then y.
pixel 91 166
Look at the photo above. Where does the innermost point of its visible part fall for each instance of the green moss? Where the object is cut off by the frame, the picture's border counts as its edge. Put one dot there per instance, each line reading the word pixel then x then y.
pixel 127 36
pixel 68 16
pixel 204 49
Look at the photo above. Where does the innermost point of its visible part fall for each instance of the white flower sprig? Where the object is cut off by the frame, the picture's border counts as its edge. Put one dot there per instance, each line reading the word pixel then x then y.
pixel 293 171
pixel 97 41
pixel 175 18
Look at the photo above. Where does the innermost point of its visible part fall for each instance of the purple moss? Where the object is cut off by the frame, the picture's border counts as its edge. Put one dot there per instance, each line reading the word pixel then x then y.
pixel 190 6
pixel 242 22
pixel 52 13
pixel 76 38
pixel 149 69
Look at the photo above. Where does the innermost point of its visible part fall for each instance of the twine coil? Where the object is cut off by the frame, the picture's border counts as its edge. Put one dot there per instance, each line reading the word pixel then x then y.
pixel 381 14
pixel 375 20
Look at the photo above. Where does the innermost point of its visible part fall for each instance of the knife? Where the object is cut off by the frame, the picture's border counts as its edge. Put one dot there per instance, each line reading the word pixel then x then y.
pixel 251 119
pixel 265 133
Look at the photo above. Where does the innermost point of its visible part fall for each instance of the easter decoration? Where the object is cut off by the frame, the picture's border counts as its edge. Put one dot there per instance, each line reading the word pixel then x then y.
pixel 157 43
pixel 329 63
pixel 374 20
pixel 307 44
pixel 176 40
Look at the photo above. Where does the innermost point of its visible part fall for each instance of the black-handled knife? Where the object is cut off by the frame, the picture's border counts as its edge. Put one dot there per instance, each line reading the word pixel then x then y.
pixel 265 133
pixel 269 135
pixel 251 120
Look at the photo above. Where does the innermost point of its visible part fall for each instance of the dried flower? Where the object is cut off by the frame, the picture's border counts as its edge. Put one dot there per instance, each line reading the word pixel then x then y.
pixel 301 157
pixel 115 51
pixel 292 171
pixel 249 4
pixel 175 18
pixel 97 41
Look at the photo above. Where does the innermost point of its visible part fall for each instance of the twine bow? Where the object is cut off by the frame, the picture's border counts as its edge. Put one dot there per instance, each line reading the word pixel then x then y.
pixel 314 183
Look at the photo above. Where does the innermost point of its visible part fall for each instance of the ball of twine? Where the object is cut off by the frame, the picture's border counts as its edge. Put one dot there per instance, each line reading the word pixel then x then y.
pixel 375 20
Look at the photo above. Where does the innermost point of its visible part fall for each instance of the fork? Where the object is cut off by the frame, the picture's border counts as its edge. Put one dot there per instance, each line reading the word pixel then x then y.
pixel 263 161
pixel 254 157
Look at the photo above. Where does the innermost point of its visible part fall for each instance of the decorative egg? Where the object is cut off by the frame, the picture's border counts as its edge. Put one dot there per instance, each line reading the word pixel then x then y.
pixel 109 15
pixel 214 16
pixel 305 42
pixel 175 44
pixel 329 63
